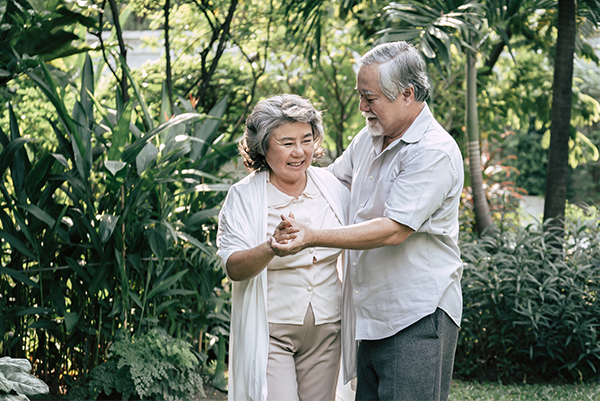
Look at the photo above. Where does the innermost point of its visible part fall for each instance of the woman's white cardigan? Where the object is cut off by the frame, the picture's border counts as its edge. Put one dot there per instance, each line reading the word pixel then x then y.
pixel 243 225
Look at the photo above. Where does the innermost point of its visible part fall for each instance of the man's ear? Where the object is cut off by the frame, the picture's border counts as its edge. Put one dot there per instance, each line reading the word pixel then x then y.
pixel 409 92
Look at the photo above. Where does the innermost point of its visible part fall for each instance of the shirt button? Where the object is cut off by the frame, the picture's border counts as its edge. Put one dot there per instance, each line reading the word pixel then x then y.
pixel 370 177
pixel 354 264
pixel 311 250
pixel 362 205
pixel 309 288
pixel 356 292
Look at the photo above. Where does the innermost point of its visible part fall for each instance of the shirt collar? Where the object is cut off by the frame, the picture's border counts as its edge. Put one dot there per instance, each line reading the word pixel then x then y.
pixel 278 199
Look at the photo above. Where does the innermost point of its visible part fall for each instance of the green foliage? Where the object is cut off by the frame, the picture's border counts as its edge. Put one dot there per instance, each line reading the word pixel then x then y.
pixel 16 383
pixel 151 366
pixel 111 230
pixel 531 305
pixel 28 34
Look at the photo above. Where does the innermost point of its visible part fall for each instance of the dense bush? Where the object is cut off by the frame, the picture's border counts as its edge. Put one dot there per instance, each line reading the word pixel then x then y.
pixel 531 307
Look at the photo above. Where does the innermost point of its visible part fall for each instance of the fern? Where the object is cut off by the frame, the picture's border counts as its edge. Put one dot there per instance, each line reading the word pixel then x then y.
pixel 152 366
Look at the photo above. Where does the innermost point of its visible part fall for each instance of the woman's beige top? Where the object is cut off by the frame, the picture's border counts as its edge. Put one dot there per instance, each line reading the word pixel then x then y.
pixel 310 276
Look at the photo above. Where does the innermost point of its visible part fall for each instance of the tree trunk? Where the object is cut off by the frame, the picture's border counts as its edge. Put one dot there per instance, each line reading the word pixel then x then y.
pixel 483 219
pixel 560 127
pixel 122 50
pixel 169 77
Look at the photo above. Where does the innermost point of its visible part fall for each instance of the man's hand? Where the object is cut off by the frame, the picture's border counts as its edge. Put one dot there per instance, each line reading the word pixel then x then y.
pixel 290 236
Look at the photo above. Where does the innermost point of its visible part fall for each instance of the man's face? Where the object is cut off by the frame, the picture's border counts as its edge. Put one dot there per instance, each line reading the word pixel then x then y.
pixel 384 118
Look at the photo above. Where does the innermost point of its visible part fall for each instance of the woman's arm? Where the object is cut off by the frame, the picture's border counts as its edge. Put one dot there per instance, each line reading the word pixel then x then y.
pixel 243 265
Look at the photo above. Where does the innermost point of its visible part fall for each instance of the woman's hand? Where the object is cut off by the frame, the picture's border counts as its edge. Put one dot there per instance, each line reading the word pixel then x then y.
pixel 290 236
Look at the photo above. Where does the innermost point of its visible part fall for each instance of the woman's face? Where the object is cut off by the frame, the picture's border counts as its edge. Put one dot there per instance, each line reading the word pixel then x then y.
pixel 290 152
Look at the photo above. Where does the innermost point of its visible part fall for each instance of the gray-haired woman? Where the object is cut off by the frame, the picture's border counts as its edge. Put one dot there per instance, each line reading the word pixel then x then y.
pixel 285 321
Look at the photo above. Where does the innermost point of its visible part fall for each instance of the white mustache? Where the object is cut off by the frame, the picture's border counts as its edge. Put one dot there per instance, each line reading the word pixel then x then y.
pixel 368 115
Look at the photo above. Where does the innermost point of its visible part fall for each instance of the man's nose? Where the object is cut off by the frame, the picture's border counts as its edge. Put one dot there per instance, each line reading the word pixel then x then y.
pixel 363 105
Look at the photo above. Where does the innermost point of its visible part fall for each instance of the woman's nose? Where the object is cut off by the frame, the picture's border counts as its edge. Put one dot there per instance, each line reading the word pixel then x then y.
pixel 297 149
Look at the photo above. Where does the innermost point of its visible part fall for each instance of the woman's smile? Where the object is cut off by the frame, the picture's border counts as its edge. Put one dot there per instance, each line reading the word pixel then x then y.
pixel 290 152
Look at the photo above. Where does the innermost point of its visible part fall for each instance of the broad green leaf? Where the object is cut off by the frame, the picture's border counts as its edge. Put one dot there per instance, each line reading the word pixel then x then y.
pixel 80 270
pixel 39 171
pixel 26 383
pixel 31 310
pixel 114 166
pixel 18 245
pixel 132 150
pixel 71 320
pixel 178 291
pixel 5 386
pixel 8 152
pixel 14 397
pixel 158 242
pixel 102 110
pixel 49 89
pixel 205 188
pixel 108 223
pixel 18 170
pixel 120 133
pixel 145 157
pixel 196 243
pixel 163 285
pixel 16 363
pixel 195 221
pixel 87 88
pixel 61 159
pixel 39 213
pixel 208 129
pixel 166 304
pixel 135 299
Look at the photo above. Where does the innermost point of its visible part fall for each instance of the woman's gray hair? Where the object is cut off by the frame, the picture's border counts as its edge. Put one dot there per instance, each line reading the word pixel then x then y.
pixel 267 116
pixel 400 67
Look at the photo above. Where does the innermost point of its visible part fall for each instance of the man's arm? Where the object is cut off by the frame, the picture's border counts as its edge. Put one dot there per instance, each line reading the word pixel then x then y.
pixel 374 233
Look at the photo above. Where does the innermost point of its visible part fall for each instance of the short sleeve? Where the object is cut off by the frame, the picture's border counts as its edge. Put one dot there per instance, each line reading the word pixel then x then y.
pixel 420 188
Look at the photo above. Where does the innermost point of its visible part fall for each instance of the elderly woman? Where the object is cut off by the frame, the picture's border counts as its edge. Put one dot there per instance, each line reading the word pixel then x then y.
pixel 285 320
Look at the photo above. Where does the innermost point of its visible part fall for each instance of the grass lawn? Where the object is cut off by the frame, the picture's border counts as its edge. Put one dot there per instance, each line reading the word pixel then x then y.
pixel 461 390
pixel 464 391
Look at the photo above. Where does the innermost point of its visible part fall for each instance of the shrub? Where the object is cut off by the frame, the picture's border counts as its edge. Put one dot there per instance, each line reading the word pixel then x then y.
pixel 152 366
pixel 531 307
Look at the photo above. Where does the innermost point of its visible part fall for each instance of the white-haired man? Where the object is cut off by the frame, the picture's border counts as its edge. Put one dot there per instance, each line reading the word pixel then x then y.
pixel 405 174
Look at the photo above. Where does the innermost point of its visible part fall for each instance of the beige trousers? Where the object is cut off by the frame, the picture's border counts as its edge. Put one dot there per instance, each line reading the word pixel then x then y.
pixel 304 361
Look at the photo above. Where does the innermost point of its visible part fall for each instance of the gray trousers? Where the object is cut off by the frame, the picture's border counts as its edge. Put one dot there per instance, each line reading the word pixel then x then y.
pixel 414 365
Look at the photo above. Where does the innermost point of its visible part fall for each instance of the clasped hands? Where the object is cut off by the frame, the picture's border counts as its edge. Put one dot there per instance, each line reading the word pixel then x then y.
pixel 290 236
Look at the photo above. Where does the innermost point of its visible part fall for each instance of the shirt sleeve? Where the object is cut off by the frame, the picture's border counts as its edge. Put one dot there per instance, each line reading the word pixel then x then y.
pixel 421 188
pixel 234 233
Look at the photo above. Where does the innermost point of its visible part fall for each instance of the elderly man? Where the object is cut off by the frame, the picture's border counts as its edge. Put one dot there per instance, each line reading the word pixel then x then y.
pixel 405 174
